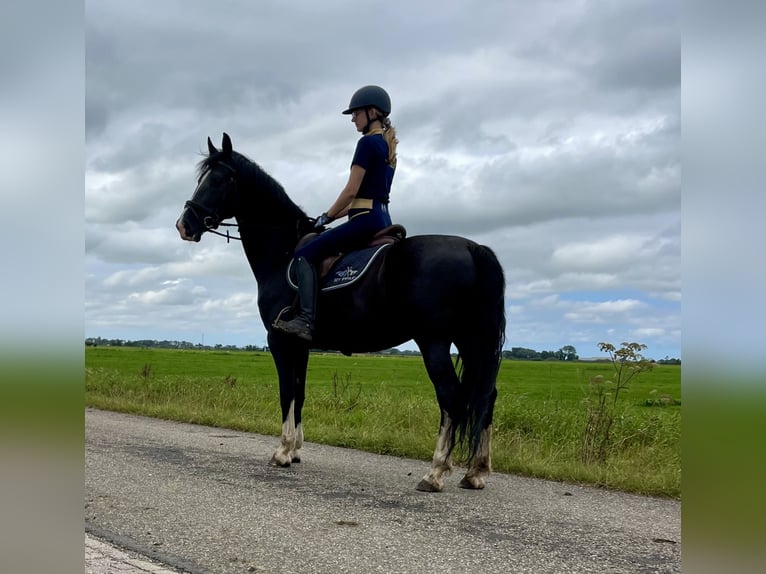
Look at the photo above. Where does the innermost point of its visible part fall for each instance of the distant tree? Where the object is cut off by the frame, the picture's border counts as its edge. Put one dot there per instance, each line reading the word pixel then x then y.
pixel 569 353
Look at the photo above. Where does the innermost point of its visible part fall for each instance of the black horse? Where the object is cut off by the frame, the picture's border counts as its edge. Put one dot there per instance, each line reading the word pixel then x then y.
pixel 437 290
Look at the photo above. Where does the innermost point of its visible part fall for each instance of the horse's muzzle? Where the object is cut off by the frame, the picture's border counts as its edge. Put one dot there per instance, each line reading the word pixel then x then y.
pixel 181 227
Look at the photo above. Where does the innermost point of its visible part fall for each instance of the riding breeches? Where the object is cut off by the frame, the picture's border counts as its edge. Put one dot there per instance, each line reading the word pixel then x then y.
pixel 351 235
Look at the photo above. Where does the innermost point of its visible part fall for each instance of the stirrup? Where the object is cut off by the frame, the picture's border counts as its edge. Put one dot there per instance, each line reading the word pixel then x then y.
pixel 288 309
pixel 297 326
pixel 302 329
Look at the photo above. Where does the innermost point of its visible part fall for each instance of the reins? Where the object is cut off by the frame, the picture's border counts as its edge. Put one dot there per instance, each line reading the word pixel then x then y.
pixel 212 229
pixel 226 235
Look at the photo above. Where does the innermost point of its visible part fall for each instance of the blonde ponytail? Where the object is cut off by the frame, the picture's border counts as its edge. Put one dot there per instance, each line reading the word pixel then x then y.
pixel 389 134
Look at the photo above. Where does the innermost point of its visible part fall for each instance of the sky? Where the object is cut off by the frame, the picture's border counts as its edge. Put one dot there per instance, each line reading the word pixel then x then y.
pixel 549 131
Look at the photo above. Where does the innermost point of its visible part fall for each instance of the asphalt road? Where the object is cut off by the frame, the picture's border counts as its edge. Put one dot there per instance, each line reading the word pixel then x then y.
pixel 204 500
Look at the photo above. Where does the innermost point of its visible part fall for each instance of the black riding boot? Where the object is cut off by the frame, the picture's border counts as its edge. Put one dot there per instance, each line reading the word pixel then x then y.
pixel 302 324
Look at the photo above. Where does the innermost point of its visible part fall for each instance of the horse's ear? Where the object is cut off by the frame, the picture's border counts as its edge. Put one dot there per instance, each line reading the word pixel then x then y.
pixel 211 147
pixel 226 143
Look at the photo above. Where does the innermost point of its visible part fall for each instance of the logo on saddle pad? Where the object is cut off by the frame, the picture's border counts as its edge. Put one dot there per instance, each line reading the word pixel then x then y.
pixel 345 275
pixel 345 271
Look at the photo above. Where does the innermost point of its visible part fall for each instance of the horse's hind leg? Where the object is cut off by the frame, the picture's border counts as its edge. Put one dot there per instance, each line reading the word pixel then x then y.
pixel 442 462
pixel 441 371
pixel 481 463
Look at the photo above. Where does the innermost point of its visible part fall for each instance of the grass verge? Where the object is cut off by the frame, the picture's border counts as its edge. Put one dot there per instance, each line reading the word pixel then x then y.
pixel 387 405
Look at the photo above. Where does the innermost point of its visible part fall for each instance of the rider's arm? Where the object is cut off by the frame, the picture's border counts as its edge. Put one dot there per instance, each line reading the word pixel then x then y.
pixel 340 207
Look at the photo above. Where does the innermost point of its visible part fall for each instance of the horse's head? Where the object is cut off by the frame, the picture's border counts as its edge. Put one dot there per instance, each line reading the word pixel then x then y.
pixel 213 199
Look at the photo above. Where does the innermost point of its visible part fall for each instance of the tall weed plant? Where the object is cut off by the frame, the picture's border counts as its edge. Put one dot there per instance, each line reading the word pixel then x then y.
pixel 602 407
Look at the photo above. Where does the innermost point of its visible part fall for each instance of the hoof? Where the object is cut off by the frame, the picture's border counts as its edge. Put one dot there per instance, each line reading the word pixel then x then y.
pixel 275 461
pixel 425 486
pixel 296 458
pixel 472 482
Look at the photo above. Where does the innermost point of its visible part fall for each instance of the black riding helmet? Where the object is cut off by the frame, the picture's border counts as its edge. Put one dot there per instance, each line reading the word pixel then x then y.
pixel 370 96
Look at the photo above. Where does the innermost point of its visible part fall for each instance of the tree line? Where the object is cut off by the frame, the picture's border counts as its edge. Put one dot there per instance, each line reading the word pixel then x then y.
pixel 565 353
pixel 165 344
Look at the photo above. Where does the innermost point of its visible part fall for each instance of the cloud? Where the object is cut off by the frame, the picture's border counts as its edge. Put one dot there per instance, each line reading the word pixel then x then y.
pixel 549 131
pixel 588 312
pixel 172 293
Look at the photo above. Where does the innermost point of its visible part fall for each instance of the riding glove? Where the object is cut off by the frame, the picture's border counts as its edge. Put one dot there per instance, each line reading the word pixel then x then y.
pixel 322 220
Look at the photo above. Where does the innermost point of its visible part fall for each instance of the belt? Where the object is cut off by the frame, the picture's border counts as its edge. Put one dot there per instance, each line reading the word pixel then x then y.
pixel 360 203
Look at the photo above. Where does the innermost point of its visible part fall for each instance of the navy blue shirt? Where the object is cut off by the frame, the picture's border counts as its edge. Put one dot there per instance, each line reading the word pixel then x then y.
pixel 372 154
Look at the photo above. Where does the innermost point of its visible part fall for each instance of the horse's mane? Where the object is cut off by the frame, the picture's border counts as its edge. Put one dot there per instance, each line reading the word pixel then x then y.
pixel 251 171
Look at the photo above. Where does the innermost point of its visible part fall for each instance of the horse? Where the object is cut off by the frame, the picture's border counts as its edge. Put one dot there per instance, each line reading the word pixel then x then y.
pixel 437 290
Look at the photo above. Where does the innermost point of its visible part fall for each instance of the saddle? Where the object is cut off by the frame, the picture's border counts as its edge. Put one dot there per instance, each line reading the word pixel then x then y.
pixel 384 237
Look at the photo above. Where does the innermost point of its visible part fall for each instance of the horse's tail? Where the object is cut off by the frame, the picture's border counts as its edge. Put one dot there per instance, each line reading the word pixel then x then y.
pixel 481 348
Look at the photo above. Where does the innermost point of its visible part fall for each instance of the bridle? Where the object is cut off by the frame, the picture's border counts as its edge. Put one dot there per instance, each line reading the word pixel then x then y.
pixel 209 218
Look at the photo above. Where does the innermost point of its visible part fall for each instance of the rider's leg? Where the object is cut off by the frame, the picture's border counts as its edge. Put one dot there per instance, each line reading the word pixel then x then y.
pixel 302 324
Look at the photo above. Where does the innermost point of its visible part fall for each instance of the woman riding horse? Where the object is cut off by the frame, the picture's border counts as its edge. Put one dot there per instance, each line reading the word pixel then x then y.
pixel 436 290
pixel 364 200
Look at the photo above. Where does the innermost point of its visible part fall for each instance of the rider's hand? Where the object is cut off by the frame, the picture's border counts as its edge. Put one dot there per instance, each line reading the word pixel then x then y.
pixel 322 220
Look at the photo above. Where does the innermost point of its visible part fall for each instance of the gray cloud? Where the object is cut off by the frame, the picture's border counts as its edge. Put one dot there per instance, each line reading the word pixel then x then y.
pixel 549 131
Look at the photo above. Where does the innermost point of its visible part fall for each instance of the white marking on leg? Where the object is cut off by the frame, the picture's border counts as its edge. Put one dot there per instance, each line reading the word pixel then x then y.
pixel 296 454
pixel 442 461
pixel 282 456
pixel 481 465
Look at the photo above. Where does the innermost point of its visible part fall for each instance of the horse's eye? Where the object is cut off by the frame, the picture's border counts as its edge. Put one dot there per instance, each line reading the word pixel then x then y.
pixel 202 176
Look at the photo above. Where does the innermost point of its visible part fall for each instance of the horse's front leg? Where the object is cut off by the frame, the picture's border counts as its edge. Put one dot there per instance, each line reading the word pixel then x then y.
pixel 284 453
pixel 291 369
pixel 300 365
pixel 291 441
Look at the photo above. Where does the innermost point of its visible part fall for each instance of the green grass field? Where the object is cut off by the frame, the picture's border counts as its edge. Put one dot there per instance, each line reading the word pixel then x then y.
pixel 387 405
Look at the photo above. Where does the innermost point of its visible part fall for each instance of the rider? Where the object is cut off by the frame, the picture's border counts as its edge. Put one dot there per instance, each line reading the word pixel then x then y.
pixel 364 200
